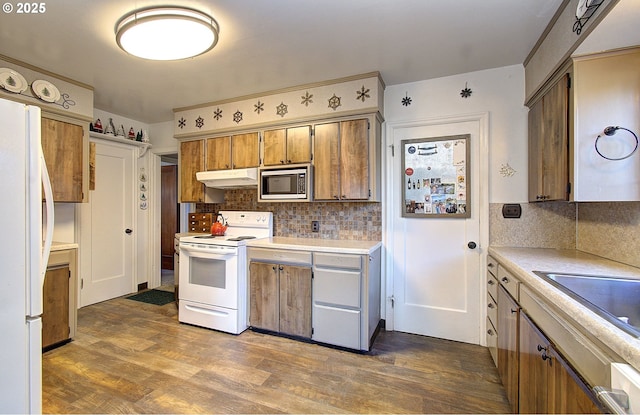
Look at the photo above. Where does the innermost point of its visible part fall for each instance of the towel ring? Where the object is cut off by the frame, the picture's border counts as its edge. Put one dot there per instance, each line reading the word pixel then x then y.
pixel 611 131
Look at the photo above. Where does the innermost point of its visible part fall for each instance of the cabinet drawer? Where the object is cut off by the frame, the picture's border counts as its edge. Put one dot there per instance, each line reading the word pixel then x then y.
pixel 199 229
pixel 200 216
pixel 492 341
pixel 492 310
pixel 492 286
pixel 279 256
pixel 492 265
pixel 337 260
pixel 509 282
pixel 338 287
pixel 336 326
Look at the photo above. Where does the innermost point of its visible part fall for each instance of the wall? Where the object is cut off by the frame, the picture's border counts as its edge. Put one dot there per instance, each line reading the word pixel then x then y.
pixel 499 91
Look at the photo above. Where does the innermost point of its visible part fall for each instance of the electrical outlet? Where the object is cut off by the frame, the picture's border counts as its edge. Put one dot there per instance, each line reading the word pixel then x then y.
pixel 511 211
pixel 315 226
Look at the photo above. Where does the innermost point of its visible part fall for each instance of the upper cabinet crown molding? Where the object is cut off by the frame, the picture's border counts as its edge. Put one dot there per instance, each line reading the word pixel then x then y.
pixel 76 99
pixel 354 95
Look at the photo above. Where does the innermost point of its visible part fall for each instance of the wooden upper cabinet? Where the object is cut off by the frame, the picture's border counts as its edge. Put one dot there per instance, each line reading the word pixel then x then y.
pixel 549 144
pixel 326 175
pixel 354 159
pixel 63 148
pixel 233 152
pixel 245 150
pixel 191 162
pixel 287 146
pixel 218 153
pixel 341 160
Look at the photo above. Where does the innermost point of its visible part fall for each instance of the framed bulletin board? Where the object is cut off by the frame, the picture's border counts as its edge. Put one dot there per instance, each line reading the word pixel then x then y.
pixel 436 175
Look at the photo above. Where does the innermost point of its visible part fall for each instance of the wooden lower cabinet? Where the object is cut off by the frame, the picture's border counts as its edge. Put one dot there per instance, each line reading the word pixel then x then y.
pixel 59 298
pixel 280 298
pixel 508 311
pixel 548 384
pixel 55 306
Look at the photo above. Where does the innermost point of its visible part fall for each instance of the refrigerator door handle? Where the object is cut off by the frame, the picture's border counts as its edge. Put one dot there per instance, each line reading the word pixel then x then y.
pixel 48 236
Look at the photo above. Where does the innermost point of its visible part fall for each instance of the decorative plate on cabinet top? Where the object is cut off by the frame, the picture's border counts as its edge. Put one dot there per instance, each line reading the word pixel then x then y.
pixel 45 90
pixel 12 81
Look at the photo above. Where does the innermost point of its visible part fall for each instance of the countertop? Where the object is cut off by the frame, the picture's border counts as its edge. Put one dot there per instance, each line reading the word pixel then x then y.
pixel 523 261
pixel 317 245
pixel 61 246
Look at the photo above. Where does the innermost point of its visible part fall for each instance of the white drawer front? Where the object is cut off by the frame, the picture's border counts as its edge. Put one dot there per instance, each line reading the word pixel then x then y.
pixel 336 326
pixel 337 260
pixel 337 287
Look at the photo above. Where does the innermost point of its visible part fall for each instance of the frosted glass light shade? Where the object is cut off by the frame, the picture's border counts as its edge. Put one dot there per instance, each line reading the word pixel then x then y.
pixel 166 33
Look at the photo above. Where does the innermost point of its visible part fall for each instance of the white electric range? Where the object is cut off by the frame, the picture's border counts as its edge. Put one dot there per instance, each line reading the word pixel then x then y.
pixel 213 272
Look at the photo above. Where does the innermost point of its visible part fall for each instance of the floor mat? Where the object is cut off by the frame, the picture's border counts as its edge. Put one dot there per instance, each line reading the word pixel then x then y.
pixel 157 297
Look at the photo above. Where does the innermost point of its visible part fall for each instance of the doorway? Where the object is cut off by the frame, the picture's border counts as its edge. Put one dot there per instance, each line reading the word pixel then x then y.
pixel 169 217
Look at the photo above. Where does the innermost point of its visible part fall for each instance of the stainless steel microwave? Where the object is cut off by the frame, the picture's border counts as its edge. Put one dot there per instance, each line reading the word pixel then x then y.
pixel 290 184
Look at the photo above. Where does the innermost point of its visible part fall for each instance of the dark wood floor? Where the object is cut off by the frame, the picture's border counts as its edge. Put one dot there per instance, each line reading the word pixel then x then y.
pixel 131 357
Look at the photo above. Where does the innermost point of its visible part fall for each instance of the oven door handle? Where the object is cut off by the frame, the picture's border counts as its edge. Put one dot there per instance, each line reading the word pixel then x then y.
pixel 209 253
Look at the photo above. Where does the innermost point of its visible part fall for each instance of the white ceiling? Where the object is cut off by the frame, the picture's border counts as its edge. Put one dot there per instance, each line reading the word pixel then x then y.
pixel 271 44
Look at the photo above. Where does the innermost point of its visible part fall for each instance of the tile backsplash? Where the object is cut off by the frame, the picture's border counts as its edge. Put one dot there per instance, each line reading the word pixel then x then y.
pixel 608 229
pixel 338 220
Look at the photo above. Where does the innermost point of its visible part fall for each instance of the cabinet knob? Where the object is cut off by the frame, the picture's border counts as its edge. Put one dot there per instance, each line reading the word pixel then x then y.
pixel 289 161
pixel 128 231
pixel 490 305
pixel 281 161
pixel 490 282
pixel 336 197
pixel 514 311
pixel 490 332
pixel 505 279
pixel 472 245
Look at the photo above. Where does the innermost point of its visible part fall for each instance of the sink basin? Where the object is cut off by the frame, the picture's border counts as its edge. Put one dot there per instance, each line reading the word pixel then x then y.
pixel 615 299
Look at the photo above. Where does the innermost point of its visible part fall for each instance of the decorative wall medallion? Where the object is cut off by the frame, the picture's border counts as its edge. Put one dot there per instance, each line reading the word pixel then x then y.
pixel 259 107
pixel 281 109
pixel 237 117
pixel 406 101
pixel 466 92
pixel 306 99
pixel 181 123
pixel 217 114
pixel 507 171
pixel 363 94
pixel 334 102
pixel 199 122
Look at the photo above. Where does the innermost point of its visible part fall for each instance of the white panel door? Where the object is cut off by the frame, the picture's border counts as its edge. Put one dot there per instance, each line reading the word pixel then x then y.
pixel 435 276
pixel 109 219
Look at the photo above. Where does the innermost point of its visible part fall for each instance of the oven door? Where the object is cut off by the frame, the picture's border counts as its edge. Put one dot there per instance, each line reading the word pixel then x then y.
pixel 209 275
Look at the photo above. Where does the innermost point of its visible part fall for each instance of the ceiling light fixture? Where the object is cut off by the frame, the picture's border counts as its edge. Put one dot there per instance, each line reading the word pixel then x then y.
pixel 166 33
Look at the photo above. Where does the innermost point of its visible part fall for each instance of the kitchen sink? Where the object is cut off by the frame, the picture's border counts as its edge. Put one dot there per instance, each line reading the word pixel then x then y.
pixel 613 298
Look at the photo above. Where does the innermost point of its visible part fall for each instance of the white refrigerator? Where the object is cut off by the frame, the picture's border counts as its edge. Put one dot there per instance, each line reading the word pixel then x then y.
pixel 25 242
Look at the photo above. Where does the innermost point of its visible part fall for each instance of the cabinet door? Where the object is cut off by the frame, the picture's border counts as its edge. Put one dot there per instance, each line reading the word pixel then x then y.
pixel 191 162
pixel 556 140
pixel 245 150
pixel 354 159
pixel 508 346
pixel 549 144
pixel 62 145
pixel 219 153
pixel 263 297
pixel 536 190
pixel 275 147
pixel 55 311
pixel 326 176
pixel 295 300
pixel 535 369
pixel 299 145
pixel 570 394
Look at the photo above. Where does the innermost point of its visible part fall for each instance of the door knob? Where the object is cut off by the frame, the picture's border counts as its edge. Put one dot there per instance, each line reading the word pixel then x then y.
pixel 472 245
pixel 128 231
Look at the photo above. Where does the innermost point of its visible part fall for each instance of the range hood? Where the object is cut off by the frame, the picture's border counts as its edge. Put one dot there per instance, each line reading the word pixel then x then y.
pixel 229 179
